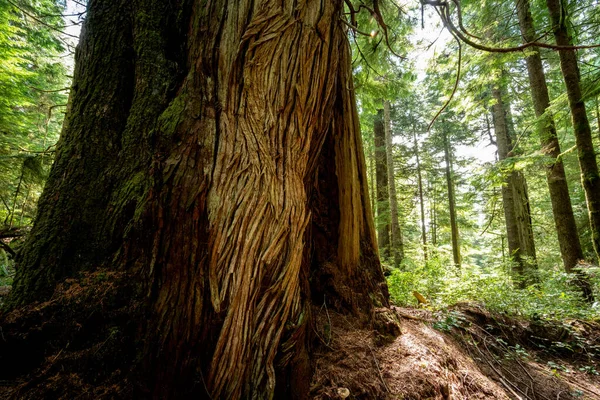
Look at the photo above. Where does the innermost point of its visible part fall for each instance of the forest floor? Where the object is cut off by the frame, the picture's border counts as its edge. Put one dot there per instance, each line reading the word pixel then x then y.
pixel 80 345
pixel 465 352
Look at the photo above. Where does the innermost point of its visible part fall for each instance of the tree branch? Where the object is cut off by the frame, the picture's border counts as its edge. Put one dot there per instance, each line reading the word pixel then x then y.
pixel 445 16
pixel 8 249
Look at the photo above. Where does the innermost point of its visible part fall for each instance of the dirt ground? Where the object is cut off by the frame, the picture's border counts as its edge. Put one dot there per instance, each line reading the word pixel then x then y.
pixel 472 354
pixel 81 342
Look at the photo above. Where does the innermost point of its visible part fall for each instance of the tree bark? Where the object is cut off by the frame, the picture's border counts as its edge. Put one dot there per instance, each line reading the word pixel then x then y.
pixel 451 203
pixel 212 151
pixel 397 245
pixel 559 192
pixel 598 116
pixel 515 200
pixel 433 215
pixel 581 125
pixel 372 181
pixel 566 228
pixel 383 196
pixel 421 198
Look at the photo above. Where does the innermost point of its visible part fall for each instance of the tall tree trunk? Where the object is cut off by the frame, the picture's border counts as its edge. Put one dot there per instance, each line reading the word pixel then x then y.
pixel 397 245
pixel 433 214
pixel 421 199
pixel 581 125
pixel 515 200
pixel 566 228
pixel 451 203
pixel 372 178
pixel 197 158
pixel 383 196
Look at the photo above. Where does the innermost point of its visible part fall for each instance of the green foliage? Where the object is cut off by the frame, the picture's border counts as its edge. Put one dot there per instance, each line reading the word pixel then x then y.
pixel 33 80
pixel 556 297
pixel 7 270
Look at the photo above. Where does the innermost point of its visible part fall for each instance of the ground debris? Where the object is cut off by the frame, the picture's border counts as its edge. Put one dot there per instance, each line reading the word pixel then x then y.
pixel 465 352
pixel 74 345
pixel 81 344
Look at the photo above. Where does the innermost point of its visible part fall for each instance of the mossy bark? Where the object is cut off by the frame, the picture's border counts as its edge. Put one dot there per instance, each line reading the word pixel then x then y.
pixel 383 197
pixel 515 200
pixel 581 125
pixel 421 197
pixel 456 257
pixel 564 220
pixel 397 241
pixel 566 228
pixel 212 151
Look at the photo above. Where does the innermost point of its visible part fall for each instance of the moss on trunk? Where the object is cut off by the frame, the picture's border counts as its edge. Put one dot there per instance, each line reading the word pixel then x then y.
pixel 228 178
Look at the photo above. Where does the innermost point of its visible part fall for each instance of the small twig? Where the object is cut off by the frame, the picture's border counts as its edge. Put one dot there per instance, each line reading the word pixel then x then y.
pixel 354 28
pixel 501 377
pixel 408 316
pixel 328 318
pixel 205 387
pixel 49 91
pixel 322 340
pixel 379 370
pixel 59 353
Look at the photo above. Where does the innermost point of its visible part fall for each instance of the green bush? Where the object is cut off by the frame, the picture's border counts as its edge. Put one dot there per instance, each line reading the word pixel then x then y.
pixel 554 297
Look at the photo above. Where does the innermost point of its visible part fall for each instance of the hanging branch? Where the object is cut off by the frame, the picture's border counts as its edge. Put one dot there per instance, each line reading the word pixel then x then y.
pixel 444 11
pixel 376 13
pixel 40 21
pixel 460 20
pixel 365 59
pixel 453 89
pixel 379 18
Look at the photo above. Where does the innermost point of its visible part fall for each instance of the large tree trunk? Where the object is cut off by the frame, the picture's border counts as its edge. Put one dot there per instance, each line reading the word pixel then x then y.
pixel 212 151
pixel 515 200
pixel 566 228
pixel 397 245
pixel 451 203
pixel 581 125
pixel 383 196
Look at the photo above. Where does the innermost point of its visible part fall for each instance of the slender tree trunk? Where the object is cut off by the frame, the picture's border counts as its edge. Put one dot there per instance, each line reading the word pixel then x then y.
pixel 515 200
pixel 17 192
pixel 383 196
pixel 433 216
pixel 566 228
pixel 581 125
pixel 24 204
pixel 396 238
pixel 421 199
pixel 451 203
pixel 522 205
pixel 197 157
